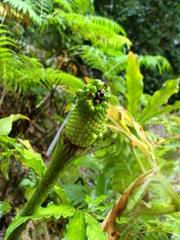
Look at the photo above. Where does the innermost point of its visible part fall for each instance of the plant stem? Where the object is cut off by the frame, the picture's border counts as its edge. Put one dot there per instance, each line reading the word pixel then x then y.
pixel 64 155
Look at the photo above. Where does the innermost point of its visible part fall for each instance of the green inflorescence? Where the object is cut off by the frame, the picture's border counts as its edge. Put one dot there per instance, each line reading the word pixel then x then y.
pixel 85 123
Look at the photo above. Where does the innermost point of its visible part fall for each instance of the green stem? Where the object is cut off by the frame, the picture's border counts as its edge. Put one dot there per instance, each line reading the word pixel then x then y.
pixel 64 154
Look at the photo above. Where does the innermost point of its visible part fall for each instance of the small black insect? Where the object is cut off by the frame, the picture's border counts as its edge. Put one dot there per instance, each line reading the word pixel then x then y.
pixel 99 96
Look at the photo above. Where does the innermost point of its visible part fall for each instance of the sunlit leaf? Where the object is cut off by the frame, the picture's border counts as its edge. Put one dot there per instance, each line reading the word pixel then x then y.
pixel 94 231
pixel 134 84
pixel 6 123
pixel 70 83
pixel 33 160
pixel 76 229
pixel 4 208
pixel 55 211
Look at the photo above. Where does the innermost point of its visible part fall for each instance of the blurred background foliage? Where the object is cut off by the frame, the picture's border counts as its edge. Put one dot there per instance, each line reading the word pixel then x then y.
pixel 49 49
pixel 153 29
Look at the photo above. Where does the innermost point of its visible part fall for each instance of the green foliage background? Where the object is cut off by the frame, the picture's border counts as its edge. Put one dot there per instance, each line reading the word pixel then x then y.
pixel 49 49
pixel 151 25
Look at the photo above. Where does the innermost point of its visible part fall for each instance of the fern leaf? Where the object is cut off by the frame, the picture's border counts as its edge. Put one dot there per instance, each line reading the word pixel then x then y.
pixel 99 35
pixel 81 6
pixel 154 62
pixel 43 8
pixel 92 56
pixel 77 194
pixel 24 8
pixel 65 4
pixel 107 23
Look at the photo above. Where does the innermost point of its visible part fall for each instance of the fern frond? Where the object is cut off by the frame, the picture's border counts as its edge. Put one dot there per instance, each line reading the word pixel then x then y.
pixel 42 7
pixel 154 62
pixel 75 6
pixel 24 8
pixel 99 35
pixel 81 6
pixel 77 194
pixel 8 13
pixel 24 73
pixel 64 5
pixel 63 80
pixel 6 53
pixel 92 56
pixel 97 59
pixel 107 23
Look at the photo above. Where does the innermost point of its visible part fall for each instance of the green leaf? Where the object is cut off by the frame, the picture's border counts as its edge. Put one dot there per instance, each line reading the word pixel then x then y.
pixel 64 80
pixel 51 210
pixel 94 231
pixel 16 223
pixel 70 83
pixel 62 194
pixel 4 168
pixel 6 123
pixel 54 210
pixel 168 109
pixel 134 84
pixel 4 208
pixel 33 160
pixel 7 140
pixel 27 156
pixel 160 97
pixel 76 228
pixel 77 194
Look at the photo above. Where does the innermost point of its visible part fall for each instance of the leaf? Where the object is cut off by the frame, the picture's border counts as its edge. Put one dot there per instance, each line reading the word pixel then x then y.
pixel 134 84
pixel 51 210
pixel 70 83
pixel 154 62
pixel 160 97
pixel 33 160
pixel 124 123
pixel 4 208
pixel 16 223
pixel 76 228
pixel 121 205
pixel 94 231
pixel 7 140
pixel 55 211
pixel 168 109
pixel 63 80
pixel 77 194
pixel 4 168
pixel 27 156
pixel 6 123
pixel 62 194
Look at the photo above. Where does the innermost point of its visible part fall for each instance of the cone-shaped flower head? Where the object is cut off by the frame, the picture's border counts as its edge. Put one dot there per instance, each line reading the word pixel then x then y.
pixel 84 125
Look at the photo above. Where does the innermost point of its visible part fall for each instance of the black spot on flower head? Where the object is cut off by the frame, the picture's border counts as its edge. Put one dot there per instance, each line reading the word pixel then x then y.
pixel 99 96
